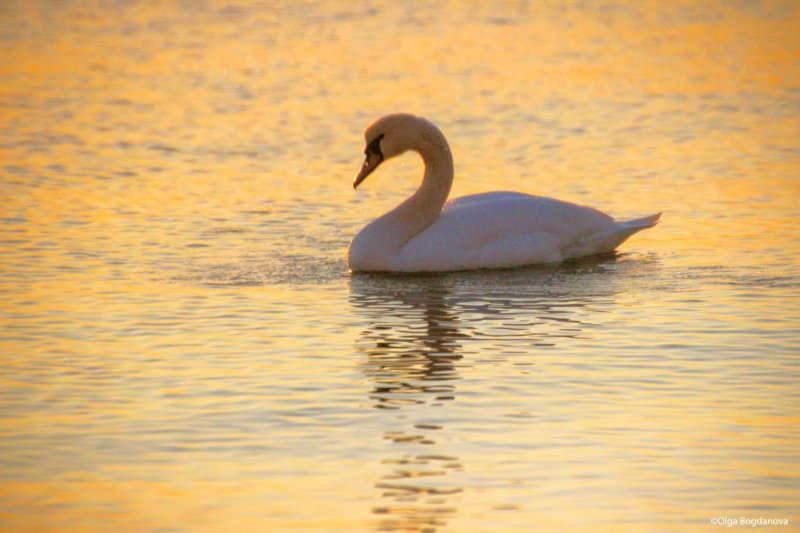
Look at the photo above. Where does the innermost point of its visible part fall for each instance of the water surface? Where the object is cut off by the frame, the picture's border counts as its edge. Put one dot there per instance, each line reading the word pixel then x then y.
pixel 183 347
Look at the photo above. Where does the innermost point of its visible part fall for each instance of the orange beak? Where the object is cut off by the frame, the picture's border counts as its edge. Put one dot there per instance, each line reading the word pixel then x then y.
pixel 370 163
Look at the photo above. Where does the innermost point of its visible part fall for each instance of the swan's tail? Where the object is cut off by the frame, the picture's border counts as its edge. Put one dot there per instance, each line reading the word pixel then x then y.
pixel 608 240
pixel 640 223
pixel 626 228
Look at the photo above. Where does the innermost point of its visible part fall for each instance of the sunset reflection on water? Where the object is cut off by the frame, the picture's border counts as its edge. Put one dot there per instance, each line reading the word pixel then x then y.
pixel 183 347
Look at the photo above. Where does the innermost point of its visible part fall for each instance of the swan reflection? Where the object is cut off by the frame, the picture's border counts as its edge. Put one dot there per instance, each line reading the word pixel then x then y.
pixel 412 345
pixel 422 332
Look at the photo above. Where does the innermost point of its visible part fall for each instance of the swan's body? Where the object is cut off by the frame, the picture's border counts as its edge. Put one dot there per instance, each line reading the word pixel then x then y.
pixel 490 230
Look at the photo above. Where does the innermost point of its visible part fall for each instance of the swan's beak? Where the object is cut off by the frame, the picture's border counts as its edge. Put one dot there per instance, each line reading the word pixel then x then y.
pixel 370 163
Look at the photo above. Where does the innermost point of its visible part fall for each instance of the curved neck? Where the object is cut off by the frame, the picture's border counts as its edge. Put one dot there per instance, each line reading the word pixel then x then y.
pixel 422 208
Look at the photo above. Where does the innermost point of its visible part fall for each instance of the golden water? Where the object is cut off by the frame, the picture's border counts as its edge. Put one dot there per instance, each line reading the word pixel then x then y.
pixel 183 348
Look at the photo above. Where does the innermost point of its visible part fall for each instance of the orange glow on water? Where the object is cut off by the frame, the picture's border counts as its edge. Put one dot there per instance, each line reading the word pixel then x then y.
pixel 183 347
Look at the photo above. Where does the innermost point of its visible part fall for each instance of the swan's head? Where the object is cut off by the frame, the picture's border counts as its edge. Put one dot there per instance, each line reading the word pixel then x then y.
pixel 392 135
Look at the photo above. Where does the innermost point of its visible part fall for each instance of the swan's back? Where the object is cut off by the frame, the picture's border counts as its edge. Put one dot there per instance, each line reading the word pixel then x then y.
pixel 506 229
pixel 516 210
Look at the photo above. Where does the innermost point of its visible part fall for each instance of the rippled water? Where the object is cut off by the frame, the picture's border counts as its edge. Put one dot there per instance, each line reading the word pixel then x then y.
pixel 183 347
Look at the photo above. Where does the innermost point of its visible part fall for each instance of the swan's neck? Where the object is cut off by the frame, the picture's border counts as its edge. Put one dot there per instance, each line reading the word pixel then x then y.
pixel 423 207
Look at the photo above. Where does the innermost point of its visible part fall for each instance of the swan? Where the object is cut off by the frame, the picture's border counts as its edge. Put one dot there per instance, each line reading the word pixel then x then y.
pixel 426 233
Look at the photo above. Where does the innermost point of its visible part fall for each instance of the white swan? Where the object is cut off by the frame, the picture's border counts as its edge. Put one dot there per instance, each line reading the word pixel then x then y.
pixel 490 230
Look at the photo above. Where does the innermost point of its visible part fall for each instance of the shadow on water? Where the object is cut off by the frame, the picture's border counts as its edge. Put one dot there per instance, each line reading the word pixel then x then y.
pixel 420 330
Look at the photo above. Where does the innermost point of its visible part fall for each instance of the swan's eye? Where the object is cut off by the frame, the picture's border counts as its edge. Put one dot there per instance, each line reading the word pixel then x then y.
pixel 375 146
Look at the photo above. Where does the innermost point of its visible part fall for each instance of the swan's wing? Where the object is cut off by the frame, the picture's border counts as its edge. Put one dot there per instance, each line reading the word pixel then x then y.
pixel 481 218
pixel 502 229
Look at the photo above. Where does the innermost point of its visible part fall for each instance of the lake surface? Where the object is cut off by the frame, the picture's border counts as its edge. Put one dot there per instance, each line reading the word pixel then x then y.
pixel 183 348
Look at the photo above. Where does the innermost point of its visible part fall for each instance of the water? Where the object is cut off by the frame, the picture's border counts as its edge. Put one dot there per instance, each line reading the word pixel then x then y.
pixel 183 347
